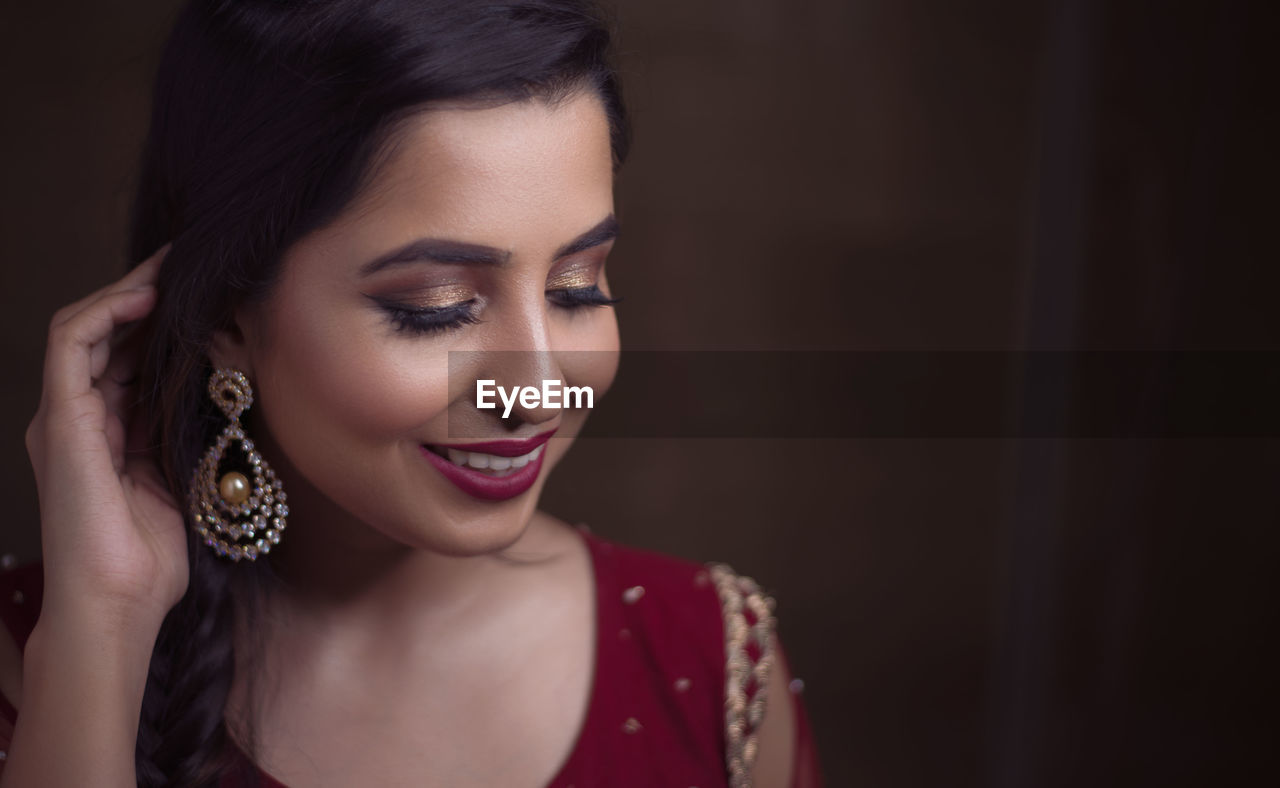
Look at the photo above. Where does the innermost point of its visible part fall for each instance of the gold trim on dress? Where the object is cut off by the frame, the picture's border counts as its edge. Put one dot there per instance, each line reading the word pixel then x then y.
pixel 745 683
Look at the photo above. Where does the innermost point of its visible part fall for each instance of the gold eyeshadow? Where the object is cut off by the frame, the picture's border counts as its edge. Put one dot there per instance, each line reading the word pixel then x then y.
pixel 576 278
pixel 435 297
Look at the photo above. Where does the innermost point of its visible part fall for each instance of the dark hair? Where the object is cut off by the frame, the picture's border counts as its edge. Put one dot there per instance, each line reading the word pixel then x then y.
pixel 268 117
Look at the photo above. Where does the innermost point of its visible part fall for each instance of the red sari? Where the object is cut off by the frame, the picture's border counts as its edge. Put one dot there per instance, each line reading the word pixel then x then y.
pixel 656 716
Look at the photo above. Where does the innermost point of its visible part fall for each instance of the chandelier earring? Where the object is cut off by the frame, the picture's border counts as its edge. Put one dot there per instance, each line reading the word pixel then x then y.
pixel 237 503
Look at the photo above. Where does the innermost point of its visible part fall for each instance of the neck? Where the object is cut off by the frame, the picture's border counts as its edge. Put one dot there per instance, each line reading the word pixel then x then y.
pixel 334 566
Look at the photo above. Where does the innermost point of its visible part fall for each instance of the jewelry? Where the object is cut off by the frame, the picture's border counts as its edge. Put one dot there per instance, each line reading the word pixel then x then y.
pixel 238 510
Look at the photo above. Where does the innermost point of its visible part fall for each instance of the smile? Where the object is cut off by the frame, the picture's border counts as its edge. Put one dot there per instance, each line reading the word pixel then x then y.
pixel 491 471
pixel 497 466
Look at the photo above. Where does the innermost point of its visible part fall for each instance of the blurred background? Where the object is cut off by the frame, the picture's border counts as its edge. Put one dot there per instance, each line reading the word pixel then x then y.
pixel 871 175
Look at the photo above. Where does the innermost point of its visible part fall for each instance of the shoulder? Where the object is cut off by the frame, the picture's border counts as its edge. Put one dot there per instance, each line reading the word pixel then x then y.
pixel 665 595
pixel 709 613
pixel 666 574
pixel 707 603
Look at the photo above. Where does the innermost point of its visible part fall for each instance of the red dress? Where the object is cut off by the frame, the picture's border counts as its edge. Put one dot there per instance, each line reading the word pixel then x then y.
pixel 657 714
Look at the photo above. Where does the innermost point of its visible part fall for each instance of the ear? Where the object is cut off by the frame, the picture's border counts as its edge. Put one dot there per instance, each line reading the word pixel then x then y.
pixel 229 345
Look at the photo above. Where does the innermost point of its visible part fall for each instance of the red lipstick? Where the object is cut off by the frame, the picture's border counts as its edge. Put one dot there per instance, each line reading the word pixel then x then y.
pixel 487 485
pixel 510 448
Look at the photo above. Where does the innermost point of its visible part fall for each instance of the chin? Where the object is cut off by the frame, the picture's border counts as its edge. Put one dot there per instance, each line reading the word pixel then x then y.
pixel 474 534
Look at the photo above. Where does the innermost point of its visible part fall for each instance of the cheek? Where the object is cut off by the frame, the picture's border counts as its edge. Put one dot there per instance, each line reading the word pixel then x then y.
pixel 348 379
pixel 588 353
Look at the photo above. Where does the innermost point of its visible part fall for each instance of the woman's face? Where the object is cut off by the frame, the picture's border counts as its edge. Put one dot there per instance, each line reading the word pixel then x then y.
pixel 486 230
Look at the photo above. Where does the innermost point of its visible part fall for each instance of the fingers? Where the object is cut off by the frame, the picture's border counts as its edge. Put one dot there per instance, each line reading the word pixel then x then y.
pixel 116 381
pixel 70 359
pixel 78 352
pixel 127 346
pixel 144 273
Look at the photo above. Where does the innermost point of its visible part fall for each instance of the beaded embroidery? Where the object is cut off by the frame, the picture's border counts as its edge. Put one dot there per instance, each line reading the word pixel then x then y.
pixel 748 628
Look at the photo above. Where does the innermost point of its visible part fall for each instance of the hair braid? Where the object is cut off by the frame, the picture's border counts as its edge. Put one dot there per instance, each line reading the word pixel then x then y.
pixel 182 735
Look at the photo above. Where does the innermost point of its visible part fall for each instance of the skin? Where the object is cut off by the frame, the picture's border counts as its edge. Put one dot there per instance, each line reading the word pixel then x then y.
pixel 112 544
pixel 393 559
pixel 385 560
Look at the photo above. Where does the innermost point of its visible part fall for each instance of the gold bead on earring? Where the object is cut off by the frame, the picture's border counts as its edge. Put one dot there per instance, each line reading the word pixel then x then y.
pixel 239 511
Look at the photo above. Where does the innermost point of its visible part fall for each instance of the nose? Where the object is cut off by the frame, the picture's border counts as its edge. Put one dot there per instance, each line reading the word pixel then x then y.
pixel 518 378
pixel 522 359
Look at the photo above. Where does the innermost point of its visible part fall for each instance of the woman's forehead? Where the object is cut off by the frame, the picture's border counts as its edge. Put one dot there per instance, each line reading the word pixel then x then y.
pixel 471 160
pixel 524 177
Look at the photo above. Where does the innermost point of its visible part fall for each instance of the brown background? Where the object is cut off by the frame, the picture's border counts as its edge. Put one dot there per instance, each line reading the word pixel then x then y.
pixel 885 174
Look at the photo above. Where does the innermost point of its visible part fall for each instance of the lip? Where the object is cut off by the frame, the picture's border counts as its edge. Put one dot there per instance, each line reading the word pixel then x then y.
pixel 484 486
pixel 502 448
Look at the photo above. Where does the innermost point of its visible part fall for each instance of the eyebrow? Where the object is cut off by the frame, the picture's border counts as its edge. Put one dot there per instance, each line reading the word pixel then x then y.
pixel 439 250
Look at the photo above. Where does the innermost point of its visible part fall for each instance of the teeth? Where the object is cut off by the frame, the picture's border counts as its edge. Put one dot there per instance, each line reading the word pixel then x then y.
pixel 482 461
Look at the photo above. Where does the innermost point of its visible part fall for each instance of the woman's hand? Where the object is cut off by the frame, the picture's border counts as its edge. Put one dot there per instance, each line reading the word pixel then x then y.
pixel 112 534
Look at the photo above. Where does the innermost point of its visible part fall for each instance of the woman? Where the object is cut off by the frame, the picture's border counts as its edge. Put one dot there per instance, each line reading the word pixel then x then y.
pixel 268 558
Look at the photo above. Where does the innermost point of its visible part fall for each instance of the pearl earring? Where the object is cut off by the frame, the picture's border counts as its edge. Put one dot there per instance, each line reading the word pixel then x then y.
pixel 238 516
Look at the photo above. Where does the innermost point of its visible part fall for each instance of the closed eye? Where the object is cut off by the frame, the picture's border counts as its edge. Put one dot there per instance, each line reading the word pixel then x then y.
pixel 428 320
pixel 572 298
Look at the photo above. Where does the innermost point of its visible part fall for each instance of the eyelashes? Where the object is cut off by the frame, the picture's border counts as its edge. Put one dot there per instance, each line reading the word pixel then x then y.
pixel 416 320
pixel 434 320
pixel 573 297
